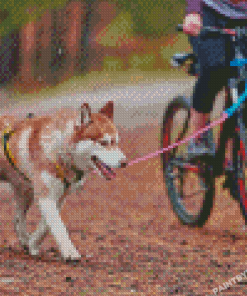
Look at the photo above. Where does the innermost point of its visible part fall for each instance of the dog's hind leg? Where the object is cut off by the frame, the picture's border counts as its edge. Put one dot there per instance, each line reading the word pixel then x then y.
pixel 24 199
pixel 37 237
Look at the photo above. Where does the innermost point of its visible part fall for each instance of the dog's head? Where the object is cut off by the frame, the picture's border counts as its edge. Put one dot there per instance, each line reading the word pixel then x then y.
pixel 96 142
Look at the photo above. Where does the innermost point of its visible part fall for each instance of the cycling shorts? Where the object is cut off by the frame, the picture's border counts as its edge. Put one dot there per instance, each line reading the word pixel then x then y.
pixel 214 55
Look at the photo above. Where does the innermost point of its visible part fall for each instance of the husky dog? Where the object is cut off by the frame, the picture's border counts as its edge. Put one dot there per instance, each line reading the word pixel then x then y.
pixel 48 157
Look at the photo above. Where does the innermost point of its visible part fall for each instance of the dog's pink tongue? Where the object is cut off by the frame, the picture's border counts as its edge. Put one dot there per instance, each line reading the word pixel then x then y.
pixel 113 175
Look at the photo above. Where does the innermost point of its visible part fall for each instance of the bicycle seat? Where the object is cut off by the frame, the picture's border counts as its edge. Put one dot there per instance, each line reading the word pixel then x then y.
pixel 180 58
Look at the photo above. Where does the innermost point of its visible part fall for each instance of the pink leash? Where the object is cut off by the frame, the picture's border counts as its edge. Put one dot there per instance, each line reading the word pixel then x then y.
pixel 170 147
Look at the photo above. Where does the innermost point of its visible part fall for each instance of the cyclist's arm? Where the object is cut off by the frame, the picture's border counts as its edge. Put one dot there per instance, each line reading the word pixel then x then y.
pixel 193 20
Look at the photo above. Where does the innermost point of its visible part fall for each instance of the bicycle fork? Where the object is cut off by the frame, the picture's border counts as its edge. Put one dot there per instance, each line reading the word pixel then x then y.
pixel 240 167
pixel 239 151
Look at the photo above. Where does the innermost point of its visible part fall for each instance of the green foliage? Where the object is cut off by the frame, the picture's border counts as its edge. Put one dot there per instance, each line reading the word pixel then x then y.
pixel 154 18
pixel 20 12
pixel 150 18
pixel 119 29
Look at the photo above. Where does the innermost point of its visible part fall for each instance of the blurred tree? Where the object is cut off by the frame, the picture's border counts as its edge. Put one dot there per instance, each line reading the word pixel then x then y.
pixel 86 31
pixel 150 19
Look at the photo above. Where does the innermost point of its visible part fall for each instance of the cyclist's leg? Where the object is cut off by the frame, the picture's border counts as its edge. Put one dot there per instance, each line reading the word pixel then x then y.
pixel 210 82
pixel 206 89
pixel 211 54
pixel 197 121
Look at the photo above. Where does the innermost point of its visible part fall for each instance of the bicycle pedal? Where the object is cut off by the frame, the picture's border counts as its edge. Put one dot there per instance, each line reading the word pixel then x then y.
pixel 229 170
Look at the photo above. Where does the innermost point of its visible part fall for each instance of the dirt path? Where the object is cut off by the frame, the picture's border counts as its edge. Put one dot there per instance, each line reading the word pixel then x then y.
pixel 130 240
pixel 133 105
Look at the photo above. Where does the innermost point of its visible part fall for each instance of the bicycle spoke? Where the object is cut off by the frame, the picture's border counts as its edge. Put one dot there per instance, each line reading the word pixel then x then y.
pixel 189 183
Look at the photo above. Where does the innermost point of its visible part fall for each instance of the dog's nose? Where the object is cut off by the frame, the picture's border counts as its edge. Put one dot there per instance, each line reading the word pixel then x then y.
pixel 123 164
pixel 94 158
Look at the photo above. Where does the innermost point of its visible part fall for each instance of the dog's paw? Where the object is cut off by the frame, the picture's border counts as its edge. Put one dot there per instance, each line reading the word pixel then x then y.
pixel 33 249
pixel 71 255
pixel 22 235
pixel 24 241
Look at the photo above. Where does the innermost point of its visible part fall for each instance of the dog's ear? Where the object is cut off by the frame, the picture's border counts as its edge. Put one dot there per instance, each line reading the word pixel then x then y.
pixel 108 110
pixel 85 114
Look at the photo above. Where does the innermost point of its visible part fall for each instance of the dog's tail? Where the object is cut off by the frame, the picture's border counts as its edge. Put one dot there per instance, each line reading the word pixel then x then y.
pixel 6 122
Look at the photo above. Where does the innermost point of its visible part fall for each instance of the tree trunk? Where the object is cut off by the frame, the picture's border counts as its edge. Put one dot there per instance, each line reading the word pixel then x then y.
pixel 72 37
pixel 44 49
pixel 102 13
pixel 9 52
pixel 28 48
pixel 86 27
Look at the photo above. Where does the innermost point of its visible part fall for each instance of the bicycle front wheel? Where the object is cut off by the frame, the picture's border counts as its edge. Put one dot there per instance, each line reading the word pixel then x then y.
pixel 239 160
pixel 189 182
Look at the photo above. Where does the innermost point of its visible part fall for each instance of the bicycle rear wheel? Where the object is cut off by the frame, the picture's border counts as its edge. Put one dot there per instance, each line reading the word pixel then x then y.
pixel 189 181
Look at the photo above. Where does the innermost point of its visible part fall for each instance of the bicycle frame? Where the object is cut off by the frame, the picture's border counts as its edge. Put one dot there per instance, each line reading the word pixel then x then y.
pixel 235 123
pixel 231 96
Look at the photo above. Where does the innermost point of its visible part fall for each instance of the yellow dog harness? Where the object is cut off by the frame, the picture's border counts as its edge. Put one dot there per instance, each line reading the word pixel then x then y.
pixel 8 132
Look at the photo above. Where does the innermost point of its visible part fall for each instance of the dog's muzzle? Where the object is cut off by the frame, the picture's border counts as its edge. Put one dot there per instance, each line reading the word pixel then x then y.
pixel 105 170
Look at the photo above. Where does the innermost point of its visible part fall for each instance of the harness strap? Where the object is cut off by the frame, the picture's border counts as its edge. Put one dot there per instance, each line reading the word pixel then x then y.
pixel 6 135
pixel 7 152
pixel 60 174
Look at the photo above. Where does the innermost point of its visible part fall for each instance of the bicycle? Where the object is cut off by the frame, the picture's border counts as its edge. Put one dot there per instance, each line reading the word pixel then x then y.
pixel 193 202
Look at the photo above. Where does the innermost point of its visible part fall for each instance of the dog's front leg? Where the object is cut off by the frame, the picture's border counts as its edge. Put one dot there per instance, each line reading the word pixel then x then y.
pixel 57 195
pixel 37 237
pixel 51 216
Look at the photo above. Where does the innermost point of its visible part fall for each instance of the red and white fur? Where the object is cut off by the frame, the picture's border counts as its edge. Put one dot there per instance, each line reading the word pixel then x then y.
pixel 74 141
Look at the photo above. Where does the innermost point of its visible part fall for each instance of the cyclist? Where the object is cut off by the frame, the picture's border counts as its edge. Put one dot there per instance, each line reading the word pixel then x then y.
pixel 214 56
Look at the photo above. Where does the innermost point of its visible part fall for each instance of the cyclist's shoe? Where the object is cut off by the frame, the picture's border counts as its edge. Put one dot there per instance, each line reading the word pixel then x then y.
pixel 229 183
pixel 203 145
